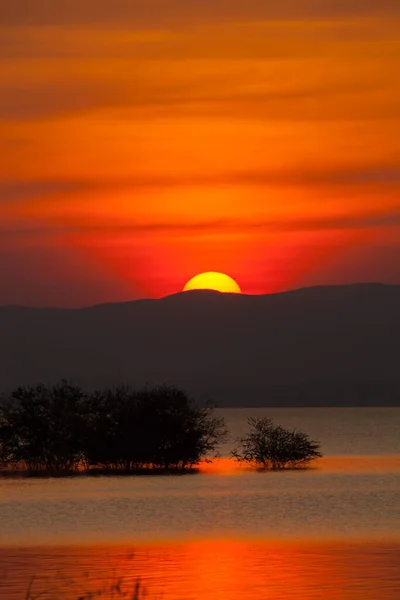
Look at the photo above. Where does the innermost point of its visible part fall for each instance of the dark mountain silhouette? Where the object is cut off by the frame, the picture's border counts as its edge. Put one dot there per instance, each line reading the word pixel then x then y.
pixel 336 345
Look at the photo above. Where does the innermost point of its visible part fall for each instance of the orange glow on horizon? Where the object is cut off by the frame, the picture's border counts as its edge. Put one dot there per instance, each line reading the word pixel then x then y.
pixel 331 464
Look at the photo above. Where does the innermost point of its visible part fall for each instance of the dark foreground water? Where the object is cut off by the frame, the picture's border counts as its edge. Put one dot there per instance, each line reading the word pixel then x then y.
pixel 329 532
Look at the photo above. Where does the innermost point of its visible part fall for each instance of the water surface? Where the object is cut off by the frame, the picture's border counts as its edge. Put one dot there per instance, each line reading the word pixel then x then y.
pixel 227 533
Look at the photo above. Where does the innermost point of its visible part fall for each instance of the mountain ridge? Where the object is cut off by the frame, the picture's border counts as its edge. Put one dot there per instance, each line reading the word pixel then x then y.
pixel 318 346
pixel 205 292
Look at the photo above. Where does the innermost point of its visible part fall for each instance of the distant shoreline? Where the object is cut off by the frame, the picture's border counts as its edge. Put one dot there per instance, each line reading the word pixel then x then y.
pixel 226 466
pixel 396 404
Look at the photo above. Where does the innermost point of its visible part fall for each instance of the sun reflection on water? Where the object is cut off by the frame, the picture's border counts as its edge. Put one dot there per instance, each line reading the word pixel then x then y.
pixel 208 570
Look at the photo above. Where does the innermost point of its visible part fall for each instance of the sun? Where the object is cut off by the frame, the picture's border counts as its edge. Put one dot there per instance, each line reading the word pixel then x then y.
pixel 213 281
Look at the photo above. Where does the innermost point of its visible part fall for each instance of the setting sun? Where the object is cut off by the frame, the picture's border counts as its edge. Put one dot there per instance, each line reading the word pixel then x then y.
pixel 213 281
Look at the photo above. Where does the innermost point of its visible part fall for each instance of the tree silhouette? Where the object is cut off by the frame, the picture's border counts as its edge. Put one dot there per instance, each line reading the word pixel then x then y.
pixel 149 428
pixel 60 428
pixel 40 427
pixel 272 446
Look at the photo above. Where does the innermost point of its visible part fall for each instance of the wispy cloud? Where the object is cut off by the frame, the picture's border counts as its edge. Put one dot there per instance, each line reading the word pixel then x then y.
pixel 46 100
pixel 12 192
pixel 142 12
pixel 388 218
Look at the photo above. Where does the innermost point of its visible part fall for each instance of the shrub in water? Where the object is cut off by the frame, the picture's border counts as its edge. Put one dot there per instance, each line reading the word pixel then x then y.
pixel 272 446
pixel 59 428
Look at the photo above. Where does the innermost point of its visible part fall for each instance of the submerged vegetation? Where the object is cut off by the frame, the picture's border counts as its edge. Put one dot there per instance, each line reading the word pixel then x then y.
pixel 62 429
pixel 117 587
pixel 271 446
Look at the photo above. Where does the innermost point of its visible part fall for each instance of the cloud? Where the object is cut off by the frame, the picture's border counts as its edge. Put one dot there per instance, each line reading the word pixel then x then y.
pixel 141 13
pixel 25 195
pixel 366 175
pixel 256 70
pixel 389 218
pixel 227 40
pixel 13 192
pixel 57 99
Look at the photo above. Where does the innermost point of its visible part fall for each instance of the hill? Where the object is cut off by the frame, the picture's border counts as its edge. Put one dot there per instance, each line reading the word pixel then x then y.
pixel 336 345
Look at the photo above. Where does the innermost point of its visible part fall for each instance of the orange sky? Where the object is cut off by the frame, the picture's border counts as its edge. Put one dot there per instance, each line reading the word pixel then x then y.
pixel 144 142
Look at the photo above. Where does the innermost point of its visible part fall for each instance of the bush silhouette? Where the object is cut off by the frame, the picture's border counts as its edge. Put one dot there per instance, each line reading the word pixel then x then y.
pixel 40 427
pixel 274 447
pixel 151 428
pixel 60 428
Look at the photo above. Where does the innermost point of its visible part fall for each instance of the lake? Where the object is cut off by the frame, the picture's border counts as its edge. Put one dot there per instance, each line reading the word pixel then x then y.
pixel 332 531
